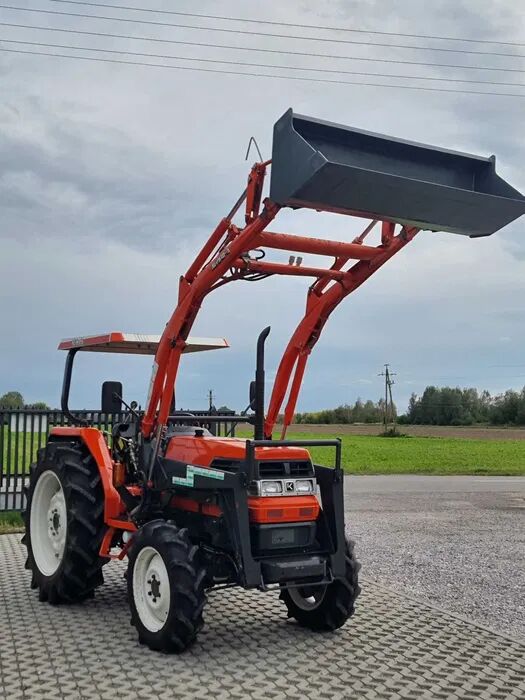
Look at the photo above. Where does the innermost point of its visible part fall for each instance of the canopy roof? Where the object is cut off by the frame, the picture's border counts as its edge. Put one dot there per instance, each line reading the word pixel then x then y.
pixel 135 343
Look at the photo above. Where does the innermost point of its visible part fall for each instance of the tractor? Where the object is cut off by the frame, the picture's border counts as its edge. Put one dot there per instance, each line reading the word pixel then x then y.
pixel 189 509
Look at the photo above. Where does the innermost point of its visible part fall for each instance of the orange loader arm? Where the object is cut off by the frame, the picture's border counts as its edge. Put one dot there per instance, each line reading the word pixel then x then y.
pixel 330 167
pixel 226 257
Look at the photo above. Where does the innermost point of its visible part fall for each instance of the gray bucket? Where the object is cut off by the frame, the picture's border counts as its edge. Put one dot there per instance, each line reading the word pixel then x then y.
pixel 320 165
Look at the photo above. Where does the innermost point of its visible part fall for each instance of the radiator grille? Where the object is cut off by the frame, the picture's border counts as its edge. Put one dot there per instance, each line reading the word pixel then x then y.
pixel 277 470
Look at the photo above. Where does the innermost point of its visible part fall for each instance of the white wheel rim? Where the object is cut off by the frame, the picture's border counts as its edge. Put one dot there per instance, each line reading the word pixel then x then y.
pixel 48 523
pixel 151 589
pixel 308 597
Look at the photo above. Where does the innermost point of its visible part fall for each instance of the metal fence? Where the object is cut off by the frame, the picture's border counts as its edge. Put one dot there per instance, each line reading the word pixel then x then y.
pixel 23 432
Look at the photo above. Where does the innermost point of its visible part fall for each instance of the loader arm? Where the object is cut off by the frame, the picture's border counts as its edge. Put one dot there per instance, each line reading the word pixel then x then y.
pixel 319 306
pixel 329 167
pixel 225 245
pixel 225 258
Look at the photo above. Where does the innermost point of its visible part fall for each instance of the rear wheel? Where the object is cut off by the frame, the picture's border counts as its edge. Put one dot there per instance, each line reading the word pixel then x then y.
pixel 166 581
pixel 64 524
pixel 326 608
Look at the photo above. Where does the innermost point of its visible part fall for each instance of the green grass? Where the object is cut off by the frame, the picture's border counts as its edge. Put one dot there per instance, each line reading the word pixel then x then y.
pixel 10 522
pixel 364 454
pixel 18 450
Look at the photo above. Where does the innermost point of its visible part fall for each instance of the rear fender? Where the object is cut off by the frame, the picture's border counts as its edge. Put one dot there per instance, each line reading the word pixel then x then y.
pixel 94 441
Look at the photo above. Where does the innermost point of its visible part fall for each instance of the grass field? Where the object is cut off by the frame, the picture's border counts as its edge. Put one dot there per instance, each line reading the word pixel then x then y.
pixel 362 454
pixel 18 450
pixel 365 454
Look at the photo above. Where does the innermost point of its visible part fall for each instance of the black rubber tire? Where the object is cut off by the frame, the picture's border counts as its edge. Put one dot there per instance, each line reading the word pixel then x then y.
pixel 80 570
pixel 337 604
pixel 187 578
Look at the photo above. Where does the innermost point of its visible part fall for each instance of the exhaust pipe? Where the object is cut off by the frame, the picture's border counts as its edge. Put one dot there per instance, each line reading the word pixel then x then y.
pixel 258 387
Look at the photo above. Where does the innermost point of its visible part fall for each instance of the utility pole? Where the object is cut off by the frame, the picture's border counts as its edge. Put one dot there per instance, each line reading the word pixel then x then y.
pixel 210 399
pixel 387 374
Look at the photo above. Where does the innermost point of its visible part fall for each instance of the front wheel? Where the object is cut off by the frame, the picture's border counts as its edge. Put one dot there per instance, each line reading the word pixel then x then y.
pixel 166 581
pixel 326 608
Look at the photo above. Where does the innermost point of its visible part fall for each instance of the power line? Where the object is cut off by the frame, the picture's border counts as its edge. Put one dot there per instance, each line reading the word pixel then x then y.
pixel 309 54
pixel 291 24
pixel 253 33
pixel 254 65
pixel 264 75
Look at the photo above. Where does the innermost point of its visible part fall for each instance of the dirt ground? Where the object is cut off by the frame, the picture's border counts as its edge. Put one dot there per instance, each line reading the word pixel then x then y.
pixel 473 433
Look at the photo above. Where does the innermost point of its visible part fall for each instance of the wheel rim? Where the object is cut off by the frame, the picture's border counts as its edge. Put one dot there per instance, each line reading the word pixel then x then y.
pixel 307 597
pixel 151 589
pixel 48 523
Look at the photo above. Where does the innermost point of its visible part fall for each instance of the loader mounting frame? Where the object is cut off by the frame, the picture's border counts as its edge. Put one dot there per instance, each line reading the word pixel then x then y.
pixel 225 258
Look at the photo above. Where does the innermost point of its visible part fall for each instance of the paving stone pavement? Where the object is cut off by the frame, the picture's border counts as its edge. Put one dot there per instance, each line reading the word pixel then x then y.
pixel 394 647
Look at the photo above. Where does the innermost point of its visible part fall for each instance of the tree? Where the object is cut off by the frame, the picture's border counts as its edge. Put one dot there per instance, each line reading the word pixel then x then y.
pixel 225 409
pixel 369 412
pixel 38 406
pixel 358 412
pixel 436 406
pixel 413 409
pixel 506 408
pixel 11 401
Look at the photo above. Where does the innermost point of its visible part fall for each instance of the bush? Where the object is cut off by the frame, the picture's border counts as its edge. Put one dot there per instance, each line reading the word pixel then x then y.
pixel 393 433
pixel 368 412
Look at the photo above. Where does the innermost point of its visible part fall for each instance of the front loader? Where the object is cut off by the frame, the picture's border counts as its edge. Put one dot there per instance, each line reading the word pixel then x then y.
pixel 193 511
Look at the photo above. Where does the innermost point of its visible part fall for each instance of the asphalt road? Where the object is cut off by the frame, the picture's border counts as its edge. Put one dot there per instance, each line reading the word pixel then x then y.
pixel 457 542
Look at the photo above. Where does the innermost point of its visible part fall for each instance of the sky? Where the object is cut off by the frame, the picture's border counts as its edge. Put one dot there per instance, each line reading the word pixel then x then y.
pixel 112 176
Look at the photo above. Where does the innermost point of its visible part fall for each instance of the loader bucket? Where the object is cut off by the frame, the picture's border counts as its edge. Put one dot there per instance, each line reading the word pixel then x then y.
pixel 330 167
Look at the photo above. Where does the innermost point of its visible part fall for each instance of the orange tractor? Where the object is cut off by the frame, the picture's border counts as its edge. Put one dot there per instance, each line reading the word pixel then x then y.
pixel 191 510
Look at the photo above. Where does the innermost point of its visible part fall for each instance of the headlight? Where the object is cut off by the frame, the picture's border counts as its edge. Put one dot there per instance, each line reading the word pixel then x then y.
pixel 271 488
pixel 304 486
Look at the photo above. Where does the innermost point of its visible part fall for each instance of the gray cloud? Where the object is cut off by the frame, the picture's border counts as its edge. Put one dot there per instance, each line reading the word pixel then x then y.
pixel 94 178
pixel 111 177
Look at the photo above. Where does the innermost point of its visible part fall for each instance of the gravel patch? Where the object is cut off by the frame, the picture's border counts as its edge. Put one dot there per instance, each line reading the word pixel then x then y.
pixel 454 542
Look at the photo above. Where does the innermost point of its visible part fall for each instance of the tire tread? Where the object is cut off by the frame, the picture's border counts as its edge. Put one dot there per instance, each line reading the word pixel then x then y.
pixel 187 577
pixel 81 569
pixel 338 604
